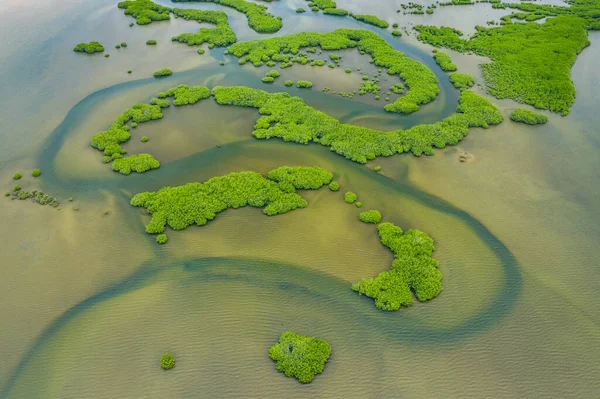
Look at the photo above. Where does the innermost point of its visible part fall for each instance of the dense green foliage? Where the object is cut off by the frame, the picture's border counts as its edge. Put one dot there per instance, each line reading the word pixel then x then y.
pixel 371 19
pixel 370 216
pixel 162 239
pixel 144 139
pixel 334 186
pixel 397 88
pixel 150 41
pixel 268 79
pixel 340 12
pixel 135 163
pixel 167 361
pixel 300 10
pixel 396 32
pixel 288 83
pixel 531 62
pixel 304 84
pixel 528 117
pixel 17 176
pixel 444 61
pixel 289 118
pixel 259 19
pixel 145 11
pixel 36 173
pixel 163 72
pixel 300 356
pixel 421 82
pixel 462 80
pixel 90 48
pixel 221 35
pixel 413 268
pixel 197 203
pixel 322 4
pixel 349 197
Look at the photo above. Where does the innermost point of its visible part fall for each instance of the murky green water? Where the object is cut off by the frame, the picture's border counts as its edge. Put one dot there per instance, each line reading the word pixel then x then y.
pixel 89 301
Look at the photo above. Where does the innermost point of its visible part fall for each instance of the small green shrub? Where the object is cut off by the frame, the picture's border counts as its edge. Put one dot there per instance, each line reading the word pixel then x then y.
pixel 144 139
pixel 131 24
pixel 274 74
pixel 163 72
pixel 201 51
pixel 300 356
pixel 150 41
pixel 348 70
pixel 222 63
pixel 462 80
pixel 268 79
pixel 371 216
pixel 36 173
pixel 117 46
pixel 90 48
pixel 528 117
pixel 161 238
pixel 300 10
pixel 396 33
pixel 17 187
pixel 304 84
pixel 334 186
pixel 358 204
pixel 340 12
pixel 167 361
pixel 349 197
pixel 123 44
pixel 106 55
pixel 444 61
pixel 377 168
pixel 129 71
pixel 289 83
pixel 395 25
pixel 17 176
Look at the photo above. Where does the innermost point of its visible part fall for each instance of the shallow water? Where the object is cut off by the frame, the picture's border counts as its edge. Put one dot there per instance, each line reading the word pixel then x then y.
pixel 90 301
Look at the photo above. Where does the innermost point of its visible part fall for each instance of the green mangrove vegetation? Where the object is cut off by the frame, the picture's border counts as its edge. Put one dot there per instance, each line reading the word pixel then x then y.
pixel 37 196
pixel 528 117
pixel 17 176
pixel 420 81
pixel 90 48
pixel 370 216
pixel 150 42
pixel 163 72
pixel 350 197
pixel 167 361
pixel 36 172
pixel 340 12
pixel 300 356
pixel 145 11
pixel 444 61
pixel 289 118
pixel 334 186
pixel 413 268
pixel 259 19
pixel 162 239
pixel 221 35
pixel 197 203
pixel 371 19
pixel 304 84
pixel 531 62
pixel 462 80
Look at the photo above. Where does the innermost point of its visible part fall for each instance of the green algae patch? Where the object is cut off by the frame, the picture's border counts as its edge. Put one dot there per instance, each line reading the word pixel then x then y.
pixel 197 203
pixel 413 268
pixel 531 62
pixel 300 356
pixel 421 82
pixel 90 48
pixel 528 117
pixel 221 35
pixel 370 216
pixel 259 19
pixel 462 80
pixel 167 361
pixel 145 11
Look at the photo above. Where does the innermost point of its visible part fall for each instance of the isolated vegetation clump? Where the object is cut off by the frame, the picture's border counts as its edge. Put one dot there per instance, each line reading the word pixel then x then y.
pixel 304 84
pixel 413 268
pixel 150 41
pixel 90 48
pixel 350 197
pixel 371 19
pixel 197 203
pixel 145 11
pixel 36 172
pixel 300 356
pixel 289 118
pixel 17 176
pixel 340 12
pixel 420 80
pixel 334 186
pixel 37 196
pixel 163 72
pixel 289 83
pixel 167 361
pixel 370 216
pixel 135 163
pixel 531 62
pixel 462 80
pixel 259 19
pixel 221 35
pixel 184 94
pixel 528 117
pixel 444 61
pixel 162 238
